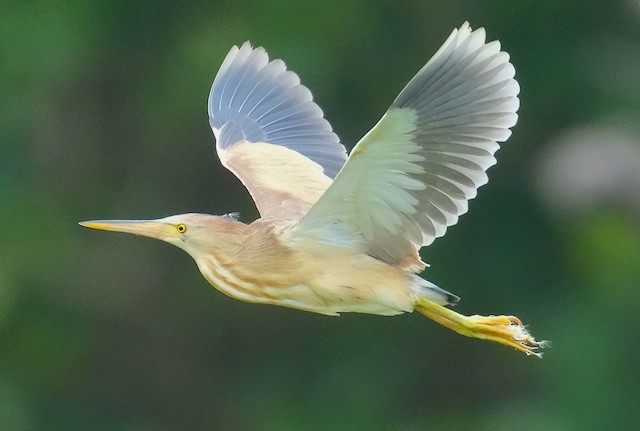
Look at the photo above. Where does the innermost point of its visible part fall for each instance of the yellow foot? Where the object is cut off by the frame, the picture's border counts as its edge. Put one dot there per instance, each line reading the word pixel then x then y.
pixel 506 330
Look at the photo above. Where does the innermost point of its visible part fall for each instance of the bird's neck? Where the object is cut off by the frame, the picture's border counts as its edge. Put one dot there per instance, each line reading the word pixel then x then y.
pixel 229 238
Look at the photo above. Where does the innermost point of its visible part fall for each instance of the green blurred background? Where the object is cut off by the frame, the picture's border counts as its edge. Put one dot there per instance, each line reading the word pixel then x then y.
pixel 103 115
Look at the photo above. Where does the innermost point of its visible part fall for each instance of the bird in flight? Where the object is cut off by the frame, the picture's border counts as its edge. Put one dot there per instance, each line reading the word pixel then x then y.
pixel 342 233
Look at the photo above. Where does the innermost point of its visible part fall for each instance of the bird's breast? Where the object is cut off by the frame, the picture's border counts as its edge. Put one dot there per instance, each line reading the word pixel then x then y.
pixel 259 286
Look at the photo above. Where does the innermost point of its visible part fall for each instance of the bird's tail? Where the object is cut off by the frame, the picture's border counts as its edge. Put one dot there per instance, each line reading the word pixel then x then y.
pixel 506 330
pixel 426 289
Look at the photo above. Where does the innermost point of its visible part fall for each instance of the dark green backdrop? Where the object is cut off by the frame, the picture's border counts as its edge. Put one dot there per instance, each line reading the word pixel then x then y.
pixel 103 115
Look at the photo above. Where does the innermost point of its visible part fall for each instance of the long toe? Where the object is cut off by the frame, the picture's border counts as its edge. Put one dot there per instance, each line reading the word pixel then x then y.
pixel 506 330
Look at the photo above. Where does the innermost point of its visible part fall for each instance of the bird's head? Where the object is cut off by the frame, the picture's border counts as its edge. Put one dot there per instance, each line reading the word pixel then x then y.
pixel 196 234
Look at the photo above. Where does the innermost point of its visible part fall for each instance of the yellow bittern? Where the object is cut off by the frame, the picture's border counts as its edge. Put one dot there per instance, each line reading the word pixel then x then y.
pixel 342 234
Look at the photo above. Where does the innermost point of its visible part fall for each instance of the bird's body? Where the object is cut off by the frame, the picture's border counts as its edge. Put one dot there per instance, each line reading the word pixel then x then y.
pixel 259 263
pixel 342 235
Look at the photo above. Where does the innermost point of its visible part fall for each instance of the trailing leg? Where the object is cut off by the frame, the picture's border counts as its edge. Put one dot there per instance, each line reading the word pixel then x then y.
pixel 506 330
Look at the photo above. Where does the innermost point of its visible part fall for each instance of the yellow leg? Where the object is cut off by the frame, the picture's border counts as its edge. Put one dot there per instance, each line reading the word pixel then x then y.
pixel 506 330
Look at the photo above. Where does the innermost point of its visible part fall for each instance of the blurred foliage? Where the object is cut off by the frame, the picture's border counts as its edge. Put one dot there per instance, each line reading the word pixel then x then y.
pixel 103 115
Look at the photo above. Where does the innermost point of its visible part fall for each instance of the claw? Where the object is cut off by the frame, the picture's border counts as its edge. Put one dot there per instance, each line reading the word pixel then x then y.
pixel 515 320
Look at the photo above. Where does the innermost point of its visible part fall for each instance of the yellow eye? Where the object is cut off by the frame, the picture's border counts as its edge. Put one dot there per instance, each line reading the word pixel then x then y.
pixel 182 228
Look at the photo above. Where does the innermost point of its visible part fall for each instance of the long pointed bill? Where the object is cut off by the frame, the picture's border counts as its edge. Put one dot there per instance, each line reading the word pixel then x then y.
pixel 158 229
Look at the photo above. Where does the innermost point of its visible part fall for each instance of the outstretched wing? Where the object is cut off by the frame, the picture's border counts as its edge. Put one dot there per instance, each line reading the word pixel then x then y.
pixel 271 134
pixel 410 177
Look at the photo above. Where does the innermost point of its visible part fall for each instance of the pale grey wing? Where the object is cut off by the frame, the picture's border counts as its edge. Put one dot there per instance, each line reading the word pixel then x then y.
pixel 271 134
pixel 410 177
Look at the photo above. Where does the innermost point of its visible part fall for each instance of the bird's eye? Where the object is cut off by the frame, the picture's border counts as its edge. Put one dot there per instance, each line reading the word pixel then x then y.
pixel 182 228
